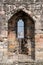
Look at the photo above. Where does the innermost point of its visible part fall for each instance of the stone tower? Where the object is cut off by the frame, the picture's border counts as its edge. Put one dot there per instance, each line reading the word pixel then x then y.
pixel 31 11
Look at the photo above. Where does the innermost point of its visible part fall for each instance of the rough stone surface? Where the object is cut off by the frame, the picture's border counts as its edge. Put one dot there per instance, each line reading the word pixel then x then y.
pixel 33 8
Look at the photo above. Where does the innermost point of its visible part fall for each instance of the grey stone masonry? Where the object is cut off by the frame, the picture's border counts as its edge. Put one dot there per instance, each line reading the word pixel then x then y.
pixel 32 7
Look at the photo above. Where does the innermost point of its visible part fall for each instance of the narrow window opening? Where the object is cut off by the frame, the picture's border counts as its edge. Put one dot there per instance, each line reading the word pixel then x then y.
pixel 20 29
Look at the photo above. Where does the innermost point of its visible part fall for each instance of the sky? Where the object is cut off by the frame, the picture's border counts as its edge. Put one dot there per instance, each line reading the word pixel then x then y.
pixel 20 29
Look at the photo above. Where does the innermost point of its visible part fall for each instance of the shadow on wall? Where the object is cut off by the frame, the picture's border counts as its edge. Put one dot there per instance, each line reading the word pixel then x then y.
pixel 29 32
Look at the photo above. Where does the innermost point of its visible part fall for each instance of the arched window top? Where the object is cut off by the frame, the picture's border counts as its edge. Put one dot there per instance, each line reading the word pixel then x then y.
pixel 20 29
pixel 20 22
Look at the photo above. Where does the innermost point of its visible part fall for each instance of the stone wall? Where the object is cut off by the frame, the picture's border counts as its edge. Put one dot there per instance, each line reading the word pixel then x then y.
pixel 35 10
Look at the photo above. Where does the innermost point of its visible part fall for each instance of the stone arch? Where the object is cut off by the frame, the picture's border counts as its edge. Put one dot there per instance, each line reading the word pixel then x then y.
pixel 29 12
pixel 29 33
